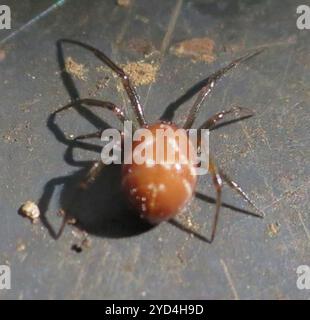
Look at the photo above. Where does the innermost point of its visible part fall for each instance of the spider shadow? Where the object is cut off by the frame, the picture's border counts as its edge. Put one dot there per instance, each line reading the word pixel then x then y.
pixel 101 210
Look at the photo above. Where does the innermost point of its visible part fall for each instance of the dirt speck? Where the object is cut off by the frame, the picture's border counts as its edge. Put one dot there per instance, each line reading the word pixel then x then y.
pixel 180 257
pixel 85 244
pixel 188 222
pixel 198 49
pixel 83 241
pixel 76 248
pixel 30 210
pixel 77 70
pixel 142 19
pixel 141 73
pixel 72 221
pixel 21 246
pixel 123 3
pixel 17 133
pixel 273 229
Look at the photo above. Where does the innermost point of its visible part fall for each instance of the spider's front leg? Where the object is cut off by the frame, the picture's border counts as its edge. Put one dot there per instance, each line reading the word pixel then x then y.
pixel 238 113
pixel 96 103
pixel 128 86
pixel 210 84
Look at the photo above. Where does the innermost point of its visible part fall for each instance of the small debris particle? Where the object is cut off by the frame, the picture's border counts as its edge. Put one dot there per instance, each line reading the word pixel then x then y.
pixel 77 70
pixel 17 134
pixel 69 220
pixel 61 213
pixel 201 49
pixel 142 19
pixel 77 248
pixel 141 73
pixel 31 211
pixel 188 222
pixel 83 241
pixel 180 257
pixel 123 3
pixel 86 243
pixel 273 229
pixel 72 221
pixel 2 55
pixel 20 247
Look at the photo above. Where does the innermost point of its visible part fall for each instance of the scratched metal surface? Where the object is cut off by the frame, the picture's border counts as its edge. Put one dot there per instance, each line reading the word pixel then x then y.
pixel 267 154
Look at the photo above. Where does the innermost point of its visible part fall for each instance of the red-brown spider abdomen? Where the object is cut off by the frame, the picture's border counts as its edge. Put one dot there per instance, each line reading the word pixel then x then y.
pixel 159 190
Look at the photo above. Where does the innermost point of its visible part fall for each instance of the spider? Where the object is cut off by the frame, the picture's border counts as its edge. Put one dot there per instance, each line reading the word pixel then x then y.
pixel 156 192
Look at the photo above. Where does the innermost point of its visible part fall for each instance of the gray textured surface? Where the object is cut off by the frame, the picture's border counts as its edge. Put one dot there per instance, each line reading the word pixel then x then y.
pixel 268 154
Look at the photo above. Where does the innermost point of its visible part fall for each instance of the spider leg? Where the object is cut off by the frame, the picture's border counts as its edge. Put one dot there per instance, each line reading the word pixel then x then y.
pixel 96 103
pixel 92 135
pixel 91 175
pixel 128 86
pixel 209 85
pixel 218 177
pixel 240 113
pixel 218 184
pixel 235 186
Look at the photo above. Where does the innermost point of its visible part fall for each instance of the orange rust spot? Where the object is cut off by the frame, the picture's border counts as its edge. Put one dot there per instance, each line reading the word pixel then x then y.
pixel 123 3
pixel 201 49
